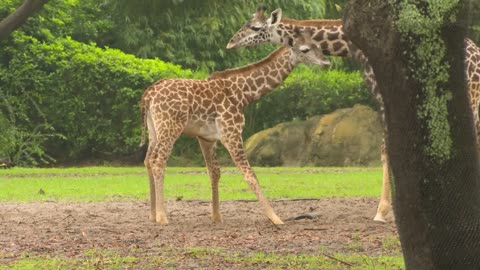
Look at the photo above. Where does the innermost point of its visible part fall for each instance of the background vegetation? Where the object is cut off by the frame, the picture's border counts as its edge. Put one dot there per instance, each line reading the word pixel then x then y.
pixel 72 77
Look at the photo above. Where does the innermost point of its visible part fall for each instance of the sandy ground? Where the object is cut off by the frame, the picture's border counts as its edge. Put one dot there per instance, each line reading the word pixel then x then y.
pixel 70 229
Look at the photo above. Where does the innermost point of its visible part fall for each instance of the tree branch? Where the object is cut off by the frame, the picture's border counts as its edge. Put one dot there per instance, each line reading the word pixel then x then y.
pixel 19 17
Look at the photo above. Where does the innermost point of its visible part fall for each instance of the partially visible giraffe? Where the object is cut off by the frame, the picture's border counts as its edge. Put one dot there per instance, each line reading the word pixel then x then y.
pixel 212 110
pixel 472 67
pixel 328 35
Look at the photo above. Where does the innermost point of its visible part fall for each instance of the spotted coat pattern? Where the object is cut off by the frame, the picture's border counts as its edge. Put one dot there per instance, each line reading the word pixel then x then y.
pixel 212 110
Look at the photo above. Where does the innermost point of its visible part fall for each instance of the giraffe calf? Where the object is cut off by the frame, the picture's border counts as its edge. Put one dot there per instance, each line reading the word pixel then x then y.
pixel 212 110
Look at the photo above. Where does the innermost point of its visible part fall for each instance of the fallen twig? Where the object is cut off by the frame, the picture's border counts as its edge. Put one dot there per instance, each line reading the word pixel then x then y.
pixel 315 229
pixel 94 215
pixel 336 259
pixel 107 230
pixel 256 227
pixel 304 216
pixel 68 217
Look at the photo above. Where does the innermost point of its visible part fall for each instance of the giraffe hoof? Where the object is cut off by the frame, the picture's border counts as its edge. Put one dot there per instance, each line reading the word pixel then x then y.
pixel 152 218
pixel 217 219
pixel 162 220
pixel 276 220
pixel 382 211
pixel 380 218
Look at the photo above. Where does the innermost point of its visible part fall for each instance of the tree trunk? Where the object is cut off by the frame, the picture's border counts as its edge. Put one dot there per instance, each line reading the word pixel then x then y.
pixel 20 16
pixel 436 203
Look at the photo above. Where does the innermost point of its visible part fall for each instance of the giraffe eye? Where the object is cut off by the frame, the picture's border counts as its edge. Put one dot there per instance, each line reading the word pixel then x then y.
pixel 305 50
pixel 255 28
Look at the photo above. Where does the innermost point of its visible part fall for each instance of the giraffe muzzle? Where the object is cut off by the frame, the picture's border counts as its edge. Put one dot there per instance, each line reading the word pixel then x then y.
pixel 231 45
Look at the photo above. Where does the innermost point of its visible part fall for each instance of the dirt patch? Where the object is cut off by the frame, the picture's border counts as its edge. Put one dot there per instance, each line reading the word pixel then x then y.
pixel 70 229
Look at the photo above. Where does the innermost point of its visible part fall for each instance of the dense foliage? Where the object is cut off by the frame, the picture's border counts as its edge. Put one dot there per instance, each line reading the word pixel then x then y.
pixel 170 29
pixel 65 94
pixel 87 94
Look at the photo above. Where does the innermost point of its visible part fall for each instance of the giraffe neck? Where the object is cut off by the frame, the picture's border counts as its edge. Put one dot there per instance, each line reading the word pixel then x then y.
pixel 472 61
pixel 327 34
pixel 251 82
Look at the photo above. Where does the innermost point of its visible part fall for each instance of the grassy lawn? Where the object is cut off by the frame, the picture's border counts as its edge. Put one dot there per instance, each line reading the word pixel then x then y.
pixel 131 183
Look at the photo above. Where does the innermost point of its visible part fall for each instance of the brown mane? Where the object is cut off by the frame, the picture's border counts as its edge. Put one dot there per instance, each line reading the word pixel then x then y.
pixel 257 65
pixel 314 23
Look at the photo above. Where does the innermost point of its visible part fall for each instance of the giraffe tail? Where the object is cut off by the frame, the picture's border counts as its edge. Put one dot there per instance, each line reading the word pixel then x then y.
pixel 144 125
pixel 143 147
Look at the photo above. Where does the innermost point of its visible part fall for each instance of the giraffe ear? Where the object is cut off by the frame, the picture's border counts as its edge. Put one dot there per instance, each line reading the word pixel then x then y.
pixel 260 13
pixel 288 42
pixel 275 17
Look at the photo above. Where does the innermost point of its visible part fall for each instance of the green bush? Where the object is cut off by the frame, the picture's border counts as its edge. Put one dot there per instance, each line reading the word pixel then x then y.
pixel 89 95
pixel 23 145
pixel 6 137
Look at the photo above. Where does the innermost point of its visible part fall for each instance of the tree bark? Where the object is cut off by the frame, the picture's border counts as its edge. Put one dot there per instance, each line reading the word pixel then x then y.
pixel 436 205
pixel 19 17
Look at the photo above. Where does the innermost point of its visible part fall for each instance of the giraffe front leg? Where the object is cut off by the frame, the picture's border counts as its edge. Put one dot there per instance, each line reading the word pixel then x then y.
pixel 234 145
pixel 385 205
pixel 208 151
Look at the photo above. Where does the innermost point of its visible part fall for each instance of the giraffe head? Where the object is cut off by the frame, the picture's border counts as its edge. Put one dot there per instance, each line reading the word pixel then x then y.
pixel 305 50
pixel 259 29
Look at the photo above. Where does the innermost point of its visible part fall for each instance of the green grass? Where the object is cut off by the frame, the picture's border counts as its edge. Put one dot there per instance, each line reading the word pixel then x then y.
pixel 92 259
pixel 206 258
pixel 131 183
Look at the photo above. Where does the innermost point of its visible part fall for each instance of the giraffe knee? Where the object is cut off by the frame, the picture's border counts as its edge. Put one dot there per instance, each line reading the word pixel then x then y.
pixel 146 162
pixel 148 158
pixel 216 174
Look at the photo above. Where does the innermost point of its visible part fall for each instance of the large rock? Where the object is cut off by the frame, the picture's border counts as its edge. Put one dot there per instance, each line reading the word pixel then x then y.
pixel 345 137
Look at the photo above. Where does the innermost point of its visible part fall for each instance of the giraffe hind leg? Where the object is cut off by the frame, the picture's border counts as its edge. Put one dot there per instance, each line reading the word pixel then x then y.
pixel 167 132
pixel 151 186
pixel 158 163
pixel 152 142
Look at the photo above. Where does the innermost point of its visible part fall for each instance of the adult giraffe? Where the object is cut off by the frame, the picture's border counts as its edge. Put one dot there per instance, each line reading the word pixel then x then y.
pixel 329 37
pixel 212 110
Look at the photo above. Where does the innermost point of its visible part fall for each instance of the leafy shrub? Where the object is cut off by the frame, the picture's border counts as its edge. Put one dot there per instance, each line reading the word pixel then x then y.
pixel 89 95
pixel 19 144
pixel 6 137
